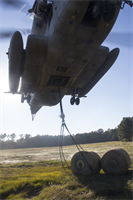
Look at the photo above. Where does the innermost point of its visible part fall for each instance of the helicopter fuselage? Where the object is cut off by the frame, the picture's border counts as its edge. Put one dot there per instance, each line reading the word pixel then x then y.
pixel 64 49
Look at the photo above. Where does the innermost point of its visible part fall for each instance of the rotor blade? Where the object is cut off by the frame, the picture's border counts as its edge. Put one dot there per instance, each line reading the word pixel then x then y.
pixel 13 4
pixel 124 39
pixel 21 6
pixel 5 35
pixel 8 33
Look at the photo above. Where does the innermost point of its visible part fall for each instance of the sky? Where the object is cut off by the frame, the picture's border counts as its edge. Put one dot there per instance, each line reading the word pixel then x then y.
pixel 106 104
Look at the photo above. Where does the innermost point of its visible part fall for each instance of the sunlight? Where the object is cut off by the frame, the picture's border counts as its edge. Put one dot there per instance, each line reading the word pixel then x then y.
pixel 5 93
pixel 4 86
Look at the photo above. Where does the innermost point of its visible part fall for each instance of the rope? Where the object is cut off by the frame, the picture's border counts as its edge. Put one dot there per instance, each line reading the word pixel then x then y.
pixel 62 157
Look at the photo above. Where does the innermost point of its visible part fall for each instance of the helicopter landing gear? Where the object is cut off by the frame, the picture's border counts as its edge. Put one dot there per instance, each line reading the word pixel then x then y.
pixel 72 100
pixel 28 98
pixel 109 12
pixel 96 10
pixel 75 99
pixel 22 98
pixel 25 97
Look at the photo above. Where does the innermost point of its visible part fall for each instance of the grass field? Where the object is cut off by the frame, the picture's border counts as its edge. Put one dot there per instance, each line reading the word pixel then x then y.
pixel 37 174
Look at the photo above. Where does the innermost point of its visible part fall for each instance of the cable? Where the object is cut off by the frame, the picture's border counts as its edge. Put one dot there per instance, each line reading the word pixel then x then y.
pixel 62 157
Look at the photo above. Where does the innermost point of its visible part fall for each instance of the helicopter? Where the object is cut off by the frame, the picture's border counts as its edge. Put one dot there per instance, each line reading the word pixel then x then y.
pixel 63 50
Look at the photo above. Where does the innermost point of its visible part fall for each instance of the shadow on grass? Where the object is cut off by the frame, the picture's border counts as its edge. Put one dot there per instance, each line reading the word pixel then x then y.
pixel 109 186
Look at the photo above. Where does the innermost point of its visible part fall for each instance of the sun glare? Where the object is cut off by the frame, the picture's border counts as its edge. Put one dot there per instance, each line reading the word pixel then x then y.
pixel 4 86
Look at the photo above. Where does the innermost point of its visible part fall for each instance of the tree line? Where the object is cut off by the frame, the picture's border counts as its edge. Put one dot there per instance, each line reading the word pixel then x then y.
pixel 123 132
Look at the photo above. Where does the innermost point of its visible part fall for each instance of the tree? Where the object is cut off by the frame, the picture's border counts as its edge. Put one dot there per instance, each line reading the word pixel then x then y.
pixel 8 136
pixel 13 136
pixel 2 136
pixel 100 130
pixel 27 136
pixel 125 129
pixel 21 136
pixel 114 134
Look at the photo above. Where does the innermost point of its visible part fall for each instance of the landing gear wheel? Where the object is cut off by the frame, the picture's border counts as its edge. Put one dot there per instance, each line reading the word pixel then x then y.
pixel 110 12
pixel 97 9
pixel 22 98
pixel 72 100
pixel 77 101
pixel 115 161
pixel 28 98
pixel 15 61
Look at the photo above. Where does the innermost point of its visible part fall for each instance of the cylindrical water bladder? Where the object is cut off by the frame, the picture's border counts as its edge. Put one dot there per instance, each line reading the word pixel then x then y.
pixel 115 161
pixel 85 163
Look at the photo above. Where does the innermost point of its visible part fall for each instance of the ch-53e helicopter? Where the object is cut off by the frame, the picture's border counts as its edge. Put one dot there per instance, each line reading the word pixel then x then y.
pixel 63 50
pixel 64 56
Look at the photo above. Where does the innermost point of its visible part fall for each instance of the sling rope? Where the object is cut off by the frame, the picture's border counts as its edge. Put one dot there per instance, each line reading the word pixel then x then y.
pixel 63 125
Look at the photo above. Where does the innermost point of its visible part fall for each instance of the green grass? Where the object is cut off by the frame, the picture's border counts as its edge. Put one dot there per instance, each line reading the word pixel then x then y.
pixel 47 179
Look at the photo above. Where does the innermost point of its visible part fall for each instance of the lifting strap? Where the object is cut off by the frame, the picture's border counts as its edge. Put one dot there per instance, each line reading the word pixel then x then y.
pixel 63 125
